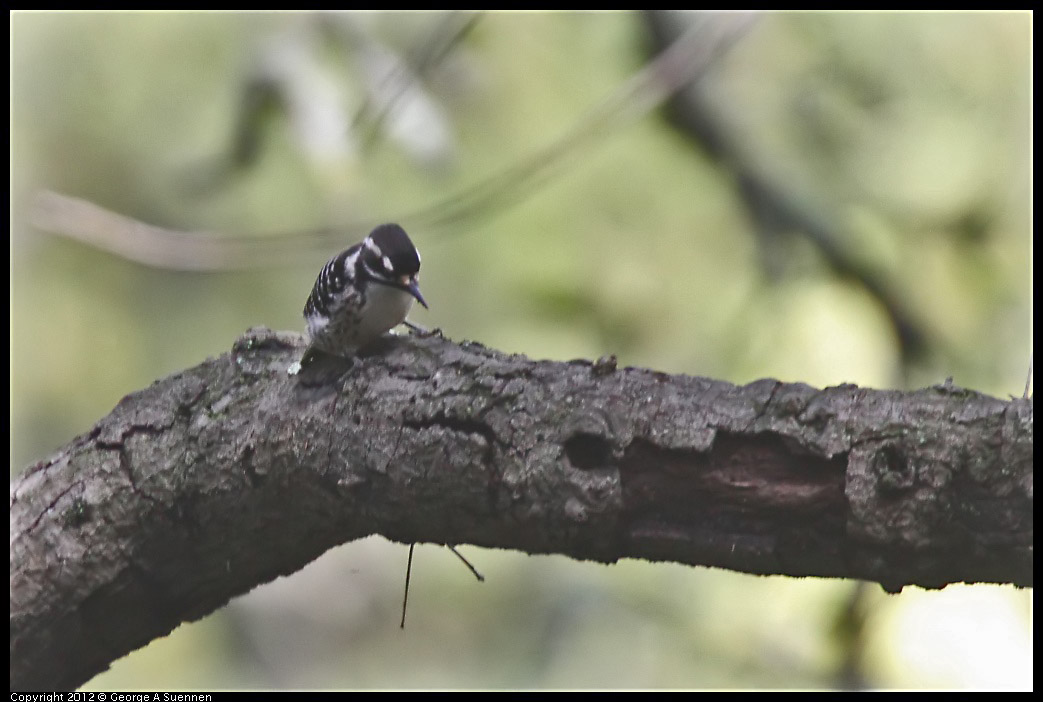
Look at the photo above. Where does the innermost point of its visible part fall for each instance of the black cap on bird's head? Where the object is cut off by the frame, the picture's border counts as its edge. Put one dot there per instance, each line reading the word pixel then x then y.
pixel 390 258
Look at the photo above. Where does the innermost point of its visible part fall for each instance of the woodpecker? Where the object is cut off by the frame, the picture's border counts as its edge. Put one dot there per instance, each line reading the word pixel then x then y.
pixel 363 292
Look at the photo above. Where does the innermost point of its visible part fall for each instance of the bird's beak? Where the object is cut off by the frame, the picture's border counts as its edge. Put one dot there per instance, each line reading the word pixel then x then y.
pixel 411 286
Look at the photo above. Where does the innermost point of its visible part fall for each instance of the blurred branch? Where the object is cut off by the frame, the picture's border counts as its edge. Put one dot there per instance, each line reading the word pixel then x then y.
pixel 691 55
pixel 774 204
pixel 159 247
pixel 450 29
pixel 229 474
pixel 176 249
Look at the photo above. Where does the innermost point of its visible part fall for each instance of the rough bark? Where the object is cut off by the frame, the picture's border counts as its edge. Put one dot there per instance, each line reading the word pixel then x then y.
pixel 226 475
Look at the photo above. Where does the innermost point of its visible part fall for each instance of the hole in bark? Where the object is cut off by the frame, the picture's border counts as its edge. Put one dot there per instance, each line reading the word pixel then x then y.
pixel 588 451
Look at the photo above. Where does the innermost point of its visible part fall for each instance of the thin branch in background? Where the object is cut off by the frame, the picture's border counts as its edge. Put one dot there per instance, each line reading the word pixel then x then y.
pixel 690 56
pixel 775 209
pixel 260 99
pixel 849 634
pixel 166 248
pixel 773 204
pixel 451 30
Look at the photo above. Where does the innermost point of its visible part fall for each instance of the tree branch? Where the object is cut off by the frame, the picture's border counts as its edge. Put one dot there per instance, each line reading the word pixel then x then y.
pixel 229 474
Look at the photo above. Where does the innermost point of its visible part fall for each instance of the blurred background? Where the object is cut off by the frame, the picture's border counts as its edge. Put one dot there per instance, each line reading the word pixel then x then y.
pixel 818 197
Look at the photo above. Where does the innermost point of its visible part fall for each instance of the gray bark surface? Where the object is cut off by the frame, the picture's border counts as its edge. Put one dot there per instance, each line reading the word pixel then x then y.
pixel 226 475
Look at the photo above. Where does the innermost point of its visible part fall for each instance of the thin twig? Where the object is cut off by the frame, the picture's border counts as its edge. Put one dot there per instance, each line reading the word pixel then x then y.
pixel 481 578
pixel 405 596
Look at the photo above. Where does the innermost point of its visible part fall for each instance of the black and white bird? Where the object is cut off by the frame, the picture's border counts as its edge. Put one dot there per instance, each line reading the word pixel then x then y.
pixel 363 292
